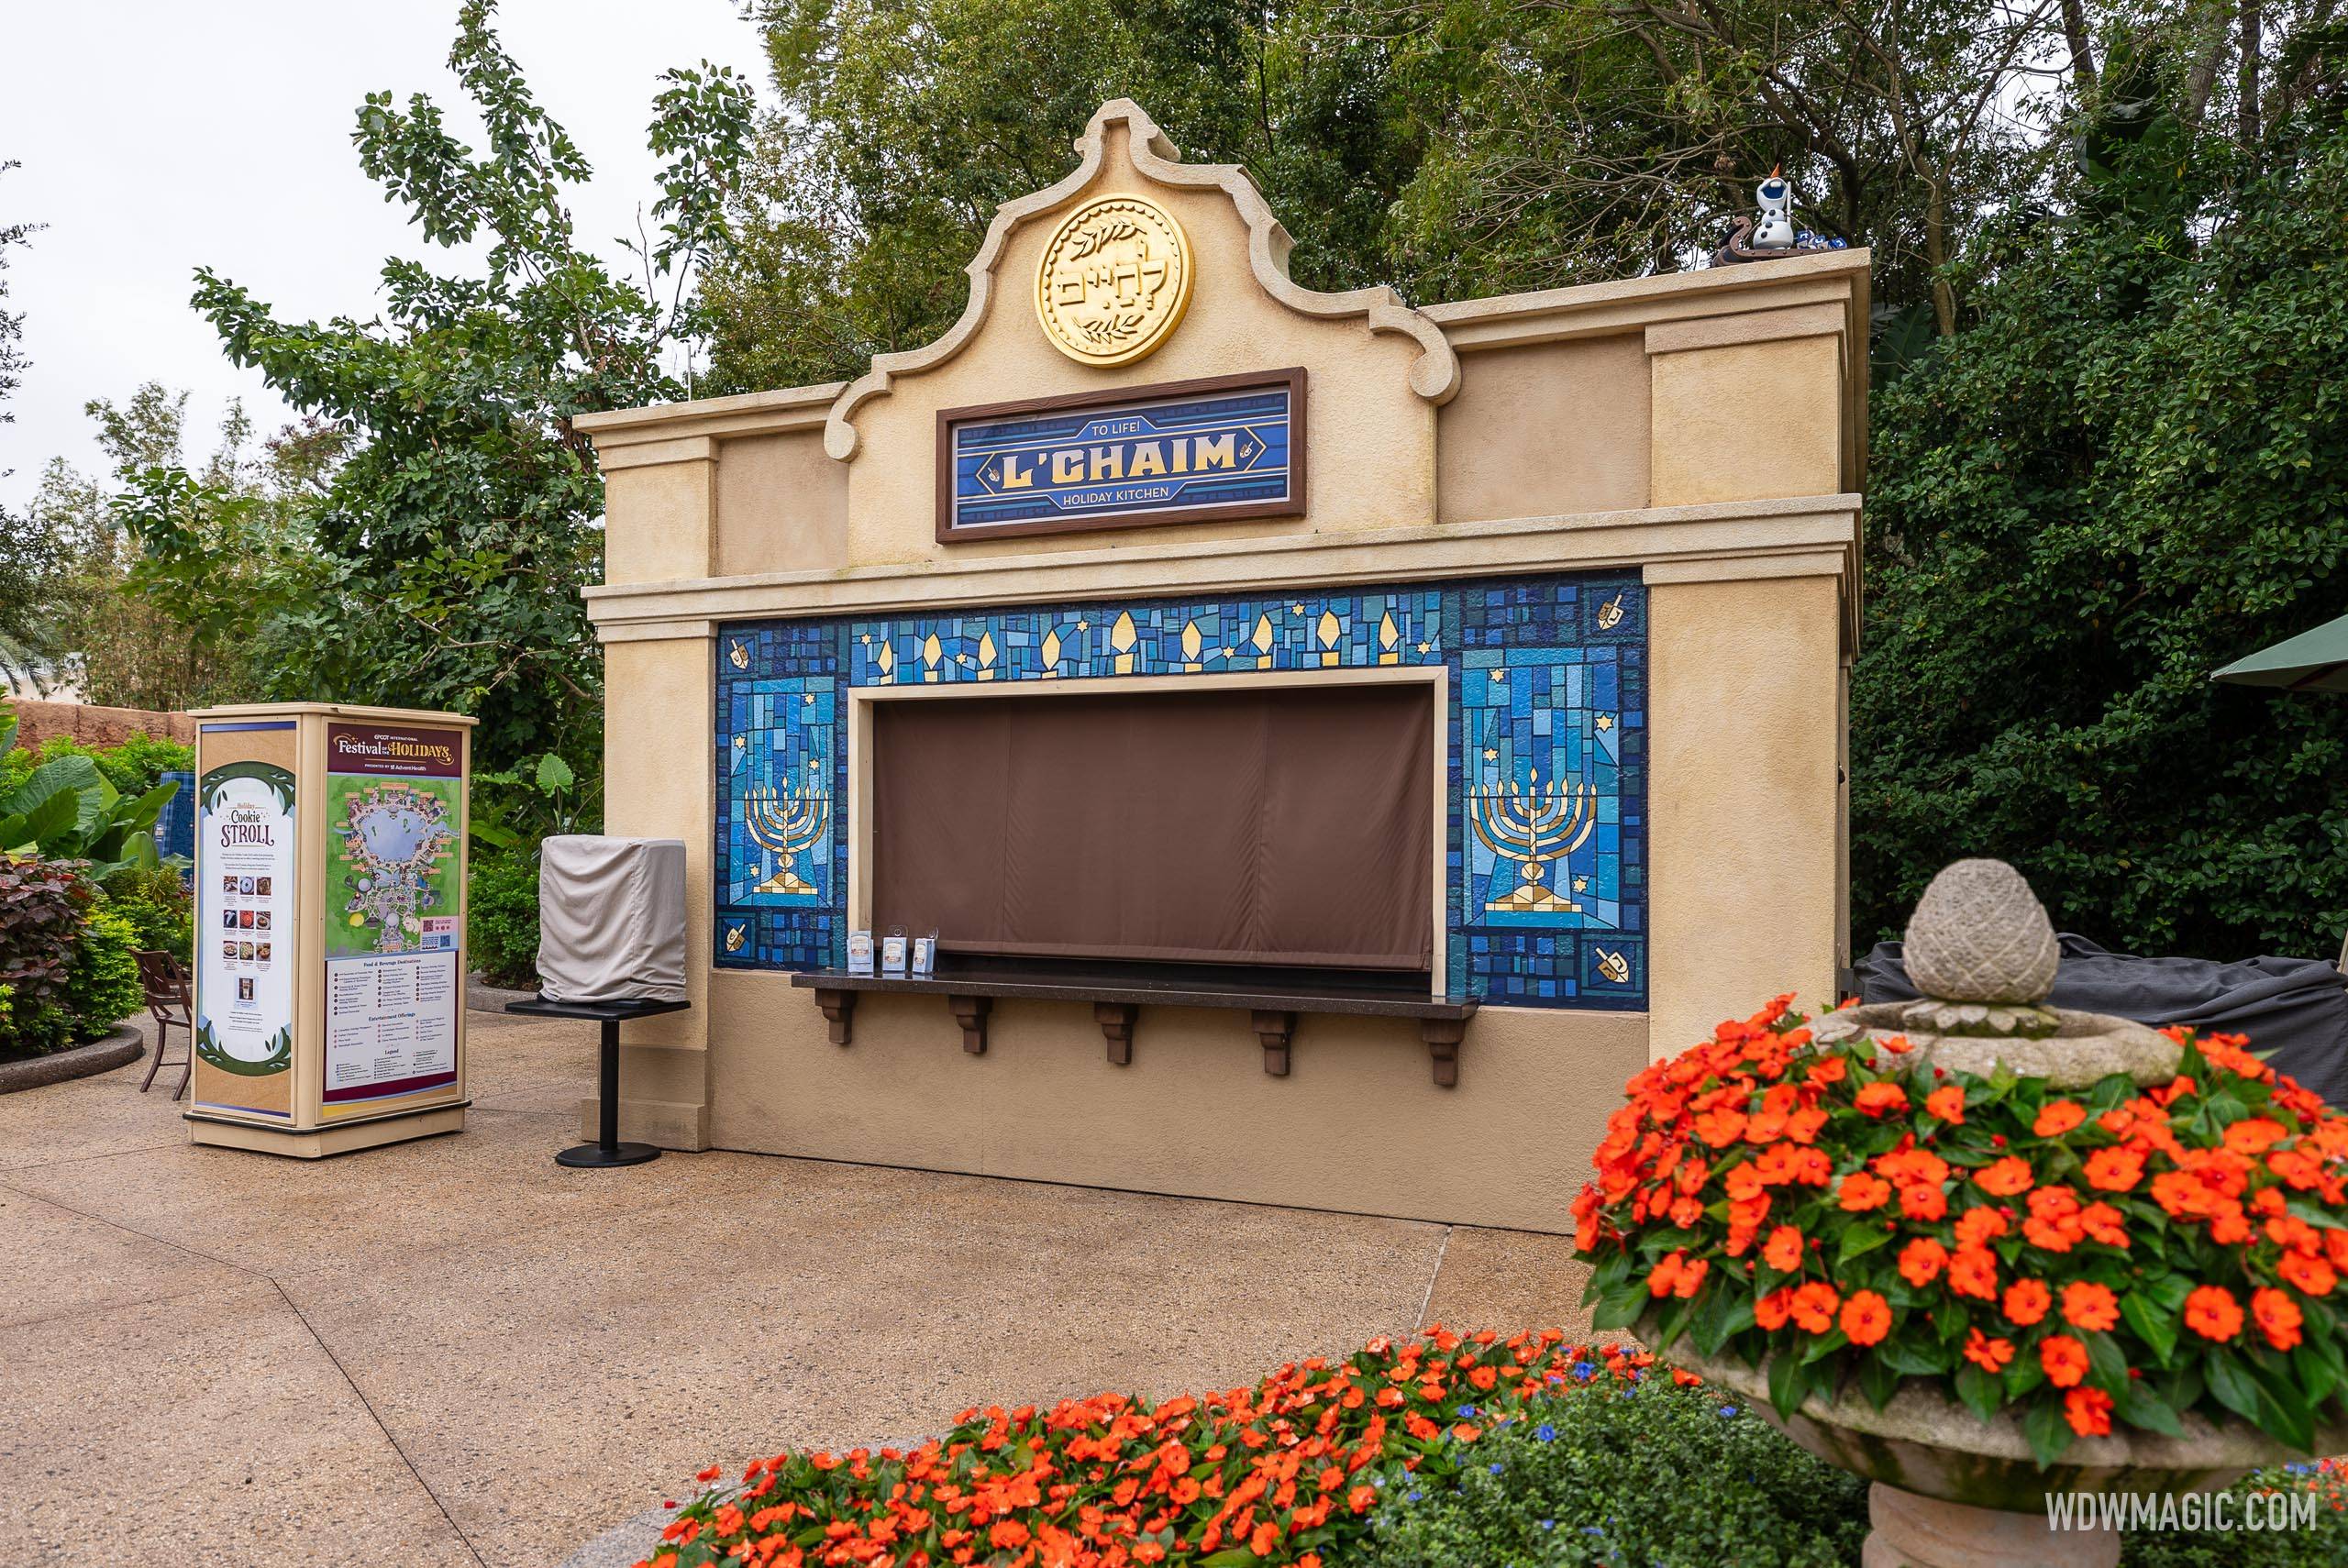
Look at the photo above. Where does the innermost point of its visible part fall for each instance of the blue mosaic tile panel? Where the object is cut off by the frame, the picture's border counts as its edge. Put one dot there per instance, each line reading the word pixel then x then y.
pixel 1547 767
pixel 1545 855
pixel 781 770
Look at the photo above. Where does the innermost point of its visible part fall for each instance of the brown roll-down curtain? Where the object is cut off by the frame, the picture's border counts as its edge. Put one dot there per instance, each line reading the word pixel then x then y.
pixel 1290 825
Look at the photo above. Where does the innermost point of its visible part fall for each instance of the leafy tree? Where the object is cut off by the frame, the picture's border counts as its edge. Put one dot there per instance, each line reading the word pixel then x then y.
pixel 121 642
pixel 28 560
pixel 1452 148
pixel 452 538
pixel 1599 137
pixel 2132 470
pixel 902 125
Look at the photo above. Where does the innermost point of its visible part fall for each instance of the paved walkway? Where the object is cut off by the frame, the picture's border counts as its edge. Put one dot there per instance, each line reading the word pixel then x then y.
pixel 457 1352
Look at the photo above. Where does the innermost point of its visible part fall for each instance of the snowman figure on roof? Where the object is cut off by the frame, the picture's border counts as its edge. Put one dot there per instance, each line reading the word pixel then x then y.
pixel 1770 233
pixel 1776 229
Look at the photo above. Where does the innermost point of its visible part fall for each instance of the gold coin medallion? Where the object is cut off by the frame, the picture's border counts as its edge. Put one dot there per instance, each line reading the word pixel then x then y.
pixel 1115 280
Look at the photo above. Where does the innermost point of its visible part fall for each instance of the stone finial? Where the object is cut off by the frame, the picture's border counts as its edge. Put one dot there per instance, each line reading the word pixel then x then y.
pixel 1979 935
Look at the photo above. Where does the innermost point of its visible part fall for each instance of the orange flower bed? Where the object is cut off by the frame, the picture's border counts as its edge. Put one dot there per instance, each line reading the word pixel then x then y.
pixel 1280 1473
pixel 2118 1256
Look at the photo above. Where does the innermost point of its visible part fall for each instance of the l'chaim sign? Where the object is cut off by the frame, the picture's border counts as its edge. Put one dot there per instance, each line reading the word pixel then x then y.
pixel 1203 451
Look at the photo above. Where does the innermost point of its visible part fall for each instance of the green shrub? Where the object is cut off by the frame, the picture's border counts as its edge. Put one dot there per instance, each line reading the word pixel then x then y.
pixel 135 766
pixel 138 764
pixel 2324 1545
pixel 39 1030
pixel 1646 1474
pixel 501 917
pixel 1656 1474
pixel 102 985
pixel 2134 470
pixel 156 901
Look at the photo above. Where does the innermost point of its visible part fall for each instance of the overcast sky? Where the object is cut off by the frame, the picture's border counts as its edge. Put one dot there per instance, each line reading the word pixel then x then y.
pixel 157 136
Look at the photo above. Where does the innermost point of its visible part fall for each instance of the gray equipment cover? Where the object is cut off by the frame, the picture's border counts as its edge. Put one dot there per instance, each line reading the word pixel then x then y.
pixel 2294 1010
pixel 611 918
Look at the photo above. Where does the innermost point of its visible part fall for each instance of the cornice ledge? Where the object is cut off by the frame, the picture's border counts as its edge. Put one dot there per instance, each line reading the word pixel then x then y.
pixel 1435 376
pixel 1805 526
pixel 1624 304
pixel 747 413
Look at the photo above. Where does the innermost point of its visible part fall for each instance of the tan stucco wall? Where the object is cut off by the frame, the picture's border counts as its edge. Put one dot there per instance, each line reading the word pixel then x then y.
pixel 782 505
pixel 1544 429
pixel 1747 421
pixel 668 515
pixel 93 725
pixel 1356 1124
pixel 657 728
pixel 1744 804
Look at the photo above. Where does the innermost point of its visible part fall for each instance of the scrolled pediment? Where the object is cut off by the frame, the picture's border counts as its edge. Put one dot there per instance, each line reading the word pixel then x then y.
pixel 1155 288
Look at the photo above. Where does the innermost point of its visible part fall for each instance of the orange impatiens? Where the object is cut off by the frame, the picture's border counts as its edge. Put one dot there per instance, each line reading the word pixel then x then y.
pixel 2064 1360
pixel 2026 1301
pixel 2058 1116
pixel 1990 1355
pixel 1973 1271
pixel 1866 1318
pixel 1922 1260
pixel 1881 1098
pixel 2091 1306
pixel 2211 1311
pixel 1288 1472
pixel 2004 1177
pixel 2312 1274
pixel 2089 1411
pixel 2115 1169
pixel 1862 1192
pixel 2278 1315
pixel 1674 1275
pixel 2090 1256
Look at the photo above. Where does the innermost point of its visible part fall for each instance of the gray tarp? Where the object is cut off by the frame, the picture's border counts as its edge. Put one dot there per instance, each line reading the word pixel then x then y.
pixel 2294 1010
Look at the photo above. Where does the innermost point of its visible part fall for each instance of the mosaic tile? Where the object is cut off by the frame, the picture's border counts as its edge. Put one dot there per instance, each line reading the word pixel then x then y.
pixel 1544 866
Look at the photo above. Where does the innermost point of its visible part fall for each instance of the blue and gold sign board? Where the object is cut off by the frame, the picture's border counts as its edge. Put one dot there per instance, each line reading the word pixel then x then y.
pixel 1196 451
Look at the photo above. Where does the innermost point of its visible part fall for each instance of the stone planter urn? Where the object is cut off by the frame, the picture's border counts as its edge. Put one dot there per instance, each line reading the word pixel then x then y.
pixel 1951 1490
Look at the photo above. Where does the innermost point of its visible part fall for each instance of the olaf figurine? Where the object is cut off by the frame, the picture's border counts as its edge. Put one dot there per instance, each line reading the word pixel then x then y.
pixel 1776 229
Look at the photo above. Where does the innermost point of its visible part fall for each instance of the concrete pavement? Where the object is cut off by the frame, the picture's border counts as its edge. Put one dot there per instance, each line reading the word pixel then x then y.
pixel 457 1353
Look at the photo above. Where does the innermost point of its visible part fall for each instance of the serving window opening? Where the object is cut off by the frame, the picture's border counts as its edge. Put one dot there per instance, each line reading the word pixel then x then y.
pixel 1256 833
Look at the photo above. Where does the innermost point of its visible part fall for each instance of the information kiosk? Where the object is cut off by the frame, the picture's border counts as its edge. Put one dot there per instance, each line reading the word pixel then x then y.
pixel 329 926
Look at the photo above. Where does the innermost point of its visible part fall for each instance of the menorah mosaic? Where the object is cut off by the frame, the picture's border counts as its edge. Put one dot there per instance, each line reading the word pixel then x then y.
pixel 1546 882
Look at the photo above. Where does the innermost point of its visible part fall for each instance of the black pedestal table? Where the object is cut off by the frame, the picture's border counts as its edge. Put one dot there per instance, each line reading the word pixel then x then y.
pixel 606 1150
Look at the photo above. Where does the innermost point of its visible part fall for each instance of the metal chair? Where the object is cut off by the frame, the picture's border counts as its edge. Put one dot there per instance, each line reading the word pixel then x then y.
pixel 169 1002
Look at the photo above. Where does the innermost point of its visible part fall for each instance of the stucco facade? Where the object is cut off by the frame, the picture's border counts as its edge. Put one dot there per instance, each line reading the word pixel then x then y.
pixel 1689 446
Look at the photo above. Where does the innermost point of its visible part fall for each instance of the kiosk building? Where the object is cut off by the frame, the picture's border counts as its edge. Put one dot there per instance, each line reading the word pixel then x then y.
pixel 1335 743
